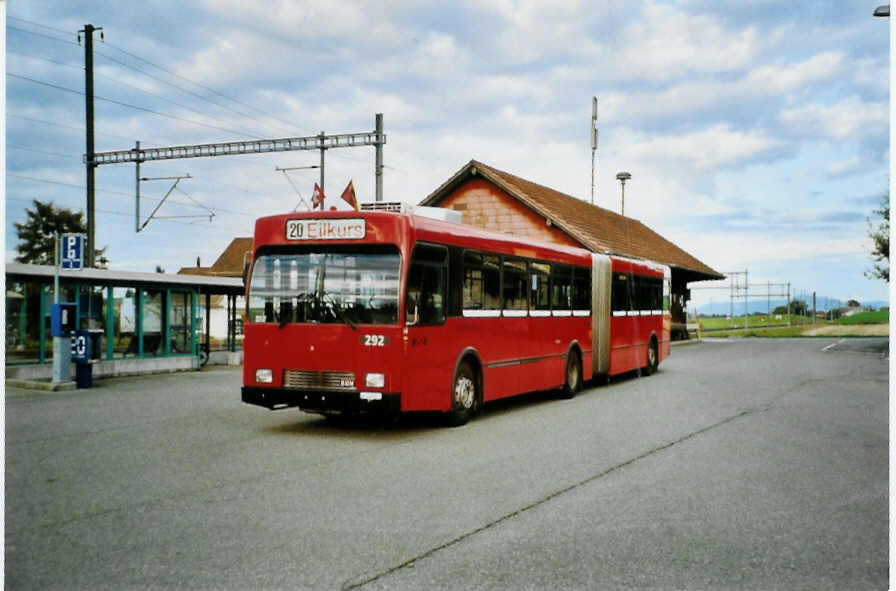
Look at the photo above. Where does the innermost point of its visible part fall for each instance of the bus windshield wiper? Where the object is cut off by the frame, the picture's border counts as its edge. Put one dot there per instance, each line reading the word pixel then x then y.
pixel 337 310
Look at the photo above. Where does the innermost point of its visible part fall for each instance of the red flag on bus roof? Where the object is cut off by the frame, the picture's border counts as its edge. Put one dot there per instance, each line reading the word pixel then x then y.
pixel 349 195
pixel 317 198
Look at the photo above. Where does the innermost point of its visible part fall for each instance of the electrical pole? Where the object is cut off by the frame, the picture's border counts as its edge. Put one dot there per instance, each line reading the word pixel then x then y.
pixel 323 193
pixel 137 206
pixel 378 147
pixel 91 165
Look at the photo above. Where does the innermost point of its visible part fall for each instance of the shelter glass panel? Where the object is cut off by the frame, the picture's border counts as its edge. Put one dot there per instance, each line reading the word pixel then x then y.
pixel 180 322
pixel 153 322
pixel 23 322
pixel 125 318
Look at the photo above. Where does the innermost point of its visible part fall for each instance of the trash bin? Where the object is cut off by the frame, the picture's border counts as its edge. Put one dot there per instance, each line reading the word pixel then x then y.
pixel 84 374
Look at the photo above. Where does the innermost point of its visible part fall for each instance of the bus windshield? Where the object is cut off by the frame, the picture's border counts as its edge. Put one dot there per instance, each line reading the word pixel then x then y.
pixel 326 285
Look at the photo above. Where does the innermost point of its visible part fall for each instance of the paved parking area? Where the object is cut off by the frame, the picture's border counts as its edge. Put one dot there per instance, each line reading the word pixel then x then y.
pixel 745 464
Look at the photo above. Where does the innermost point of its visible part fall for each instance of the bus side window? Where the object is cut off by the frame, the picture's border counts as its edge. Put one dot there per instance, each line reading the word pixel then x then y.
pixel 540 296
pixel 620 292
pixel 561 288
pixel 427 279
pixel 514 285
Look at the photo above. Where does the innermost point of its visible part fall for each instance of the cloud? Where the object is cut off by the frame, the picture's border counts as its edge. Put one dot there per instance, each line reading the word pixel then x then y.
pixel 665 43
pixel 709 148
pixel 852 118
pixel 843 167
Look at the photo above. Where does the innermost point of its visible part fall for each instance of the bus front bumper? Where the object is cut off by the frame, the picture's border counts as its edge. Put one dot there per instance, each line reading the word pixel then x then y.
pixel 322 402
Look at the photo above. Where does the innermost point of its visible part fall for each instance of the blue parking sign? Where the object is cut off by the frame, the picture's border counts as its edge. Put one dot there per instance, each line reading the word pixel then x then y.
pixel 72 251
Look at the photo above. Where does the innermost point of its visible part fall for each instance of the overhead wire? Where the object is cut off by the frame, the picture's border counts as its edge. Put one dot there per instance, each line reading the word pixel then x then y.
pixel 80 128
pixel 211 90
pixel 27 149
pixel 122 193
pixel 17 29
pixel 219 228
pixel 36 24
pixel 130 106
pixel 120 82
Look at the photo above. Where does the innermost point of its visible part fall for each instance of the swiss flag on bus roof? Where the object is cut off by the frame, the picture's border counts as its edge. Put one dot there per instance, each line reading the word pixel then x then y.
pixel 317 198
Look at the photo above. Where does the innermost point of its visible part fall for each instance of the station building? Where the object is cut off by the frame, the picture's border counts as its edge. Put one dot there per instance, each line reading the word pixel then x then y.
pixel 499 201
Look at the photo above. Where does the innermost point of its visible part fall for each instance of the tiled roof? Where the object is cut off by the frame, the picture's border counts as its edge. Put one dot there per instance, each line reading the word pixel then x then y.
pixel 596 228
pixel 229 264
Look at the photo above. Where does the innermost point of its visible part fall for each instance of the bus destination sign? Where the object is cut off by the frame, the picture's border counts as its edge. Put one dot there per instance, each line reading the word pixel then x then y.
pixel 344 229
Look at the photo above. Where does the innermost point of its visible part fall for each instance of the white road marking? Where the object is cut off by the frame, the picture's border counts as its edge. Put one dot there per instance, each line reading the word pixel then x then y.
pixel 831 346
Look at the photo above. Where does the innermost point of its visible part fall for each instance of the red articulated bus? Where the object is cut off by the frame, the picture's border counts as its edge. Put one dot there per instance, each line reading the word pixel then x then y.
pixel 348 312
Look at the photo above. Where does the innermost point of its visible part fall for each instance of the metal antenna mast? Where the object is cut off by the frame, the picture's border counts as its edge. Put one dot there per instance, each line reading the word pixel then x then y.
pixel 593 142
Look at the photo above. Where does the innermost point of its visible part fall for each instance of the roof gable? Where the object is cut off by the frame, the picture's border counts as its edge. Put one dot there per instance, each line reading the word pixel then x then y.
pixel 229 264
pixel 595 228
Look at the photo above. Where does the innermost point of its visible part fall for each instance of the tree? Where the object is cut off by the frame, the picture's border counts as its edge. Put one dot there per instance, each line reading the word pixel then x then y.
pixel 797 307
pixel 37 235
pixel 881 239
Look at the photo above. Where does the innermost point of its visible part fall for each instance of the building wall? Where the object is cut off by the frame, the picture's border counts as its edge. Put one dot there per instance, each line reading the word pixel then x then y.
pixel 484 205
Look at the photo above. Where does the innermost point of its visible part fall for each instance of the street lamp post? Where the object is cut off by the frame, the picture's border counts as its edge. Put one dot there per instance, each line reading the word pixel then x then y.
pixel 622 177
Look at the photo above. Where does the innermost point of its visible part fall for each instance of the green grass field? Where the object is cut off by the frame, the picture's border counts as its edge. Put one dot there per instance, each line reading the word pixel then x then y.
pixel 875 317
pixel 776 326
pixel 722 323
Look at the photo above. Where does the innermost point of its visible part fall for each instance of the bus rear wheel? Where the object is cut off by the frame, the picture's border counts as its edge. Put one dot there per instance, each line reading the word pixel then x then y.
pixel 573 375
pixel 653 359
pixel 464 396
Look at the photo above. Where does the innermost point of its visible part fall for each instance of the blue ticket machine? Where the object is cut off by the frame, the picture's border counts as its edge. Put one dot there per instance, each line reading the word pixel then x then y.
pixel 63 319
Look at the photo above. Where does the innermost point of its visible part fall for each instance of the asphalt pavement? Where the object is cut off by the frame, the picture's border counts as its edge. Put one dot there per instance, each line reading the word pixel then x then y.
pixel 742 464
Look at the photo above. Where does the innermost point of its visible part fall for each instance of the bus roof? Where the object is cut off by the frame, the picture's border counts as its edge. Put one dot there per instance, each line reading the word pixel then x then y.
pixel 392 226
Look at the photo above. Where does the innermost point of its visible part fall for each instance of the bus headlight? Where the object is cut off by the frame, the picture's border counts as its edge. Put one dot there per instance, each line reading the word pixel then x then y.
pixel 264 376
pixel 375 380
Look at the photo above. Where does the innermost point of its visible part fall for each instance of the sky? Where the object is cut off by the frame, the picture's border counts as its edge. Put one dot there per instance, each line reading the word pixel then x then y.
pixel 756 132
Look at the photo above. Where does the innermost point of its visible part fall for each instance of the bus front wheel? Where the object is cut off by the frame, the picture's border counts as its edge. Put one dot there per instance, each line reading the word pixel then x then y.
pixel 464 395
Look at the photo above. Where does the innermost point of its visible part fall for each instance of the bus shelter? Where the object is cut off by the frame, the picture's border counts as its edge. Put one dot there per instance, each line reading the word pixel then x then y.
pixel 144 322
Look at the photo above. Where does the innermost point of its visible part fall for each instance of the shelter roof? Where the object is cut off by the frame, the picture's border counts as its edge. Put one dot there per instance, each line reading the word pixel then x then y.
pixel 116 278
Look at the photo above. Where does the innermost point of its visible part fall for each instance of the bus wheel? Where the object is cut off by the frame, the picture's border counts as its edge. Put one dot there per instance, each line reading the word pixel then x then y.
pixel 573 381
pixel 464 395
pixel 653 359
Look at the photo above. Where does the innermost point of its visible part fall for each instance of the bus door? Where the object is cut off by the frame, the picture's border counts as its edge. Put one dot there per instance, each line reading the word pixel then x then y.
pixel 428 369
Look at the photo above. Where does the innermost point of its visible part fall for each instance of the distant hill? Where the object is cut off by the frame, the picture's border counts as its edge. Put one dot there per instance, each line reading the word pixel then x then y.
pixel 762 306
